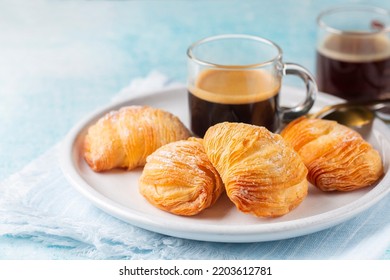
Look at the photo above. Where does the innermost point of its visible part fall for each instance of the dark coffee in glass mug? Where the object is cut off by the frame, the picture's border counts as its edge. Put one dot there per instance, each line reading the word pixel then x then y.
pixel 220 96
pixel 353 53
pixel 237 78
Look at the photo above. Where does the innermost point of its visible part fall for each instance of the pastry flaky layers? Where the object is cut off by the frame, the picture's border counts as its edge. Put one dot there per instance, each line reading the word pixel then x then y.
pixel 337 157
pixel 124 138
pixel 262 174
pixel 179 178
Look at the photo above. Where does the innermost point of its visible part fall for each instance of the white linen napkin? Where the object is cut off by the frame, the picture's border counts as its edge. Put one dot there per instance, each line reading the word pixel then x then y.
pixel 38 203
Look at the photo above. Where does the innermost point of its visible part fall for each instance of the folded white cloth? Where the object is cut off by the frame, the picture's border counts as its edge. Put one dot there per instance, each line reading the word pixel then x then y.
pixel 38 203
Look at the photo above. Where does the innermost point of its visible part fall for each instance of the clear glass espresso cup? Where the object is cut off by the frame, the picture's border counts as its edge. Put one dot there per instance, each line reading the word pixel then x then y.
pixel 353 52
pixel 237 78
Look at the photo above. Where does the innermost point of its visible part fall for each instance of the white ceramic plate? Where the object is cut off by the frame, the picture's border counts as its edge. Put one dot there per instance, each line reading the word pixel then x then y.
pixel 116 192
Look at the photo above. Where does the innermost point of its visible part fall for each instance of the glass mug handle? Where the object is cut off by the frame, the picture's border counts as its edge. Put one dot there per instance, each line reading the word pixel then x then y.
pixel 290 113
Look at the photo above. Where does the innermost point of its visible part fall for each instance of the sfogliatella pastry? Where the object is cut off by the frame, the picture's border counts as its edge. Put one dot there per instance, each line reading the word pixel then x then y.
pixel 262 174
pixel 180 179
pixel 124 138
pixel 337 157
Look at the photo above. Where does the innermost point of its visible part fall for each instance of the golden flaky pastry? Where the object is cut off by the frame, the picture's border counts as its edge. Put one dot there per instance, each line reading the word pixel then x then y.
pixel 180 179
pixel 262 174
pixel 337 157
pixel 124 138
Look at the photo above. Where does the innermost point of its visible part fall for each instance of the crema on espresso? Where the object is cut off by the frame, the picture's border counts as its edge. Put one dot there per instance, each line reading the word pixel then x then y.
pixel 354 66
pixel 248 96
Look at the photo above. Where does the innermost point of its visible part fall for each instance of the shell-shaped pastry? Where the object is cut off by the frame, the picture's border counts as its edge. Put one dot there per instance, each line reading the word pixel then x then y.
pixel 124 138
pixel 180 179
pixel 337 157
pixel 262 174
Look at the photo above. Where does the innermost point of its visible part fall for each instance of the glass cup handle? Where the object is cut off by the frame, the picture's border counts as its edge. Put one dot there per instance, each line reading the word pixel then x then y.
pixel 290 113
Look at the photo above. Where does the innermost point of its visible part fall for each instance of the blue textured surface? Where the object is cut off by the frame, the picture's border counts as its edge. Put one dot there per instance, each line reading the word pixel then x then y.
pixel 59 60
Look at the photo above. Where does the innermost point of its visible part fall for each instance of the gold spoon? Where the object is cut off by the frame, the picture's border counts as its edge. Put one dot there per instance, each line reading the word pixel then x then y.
pixel 353 113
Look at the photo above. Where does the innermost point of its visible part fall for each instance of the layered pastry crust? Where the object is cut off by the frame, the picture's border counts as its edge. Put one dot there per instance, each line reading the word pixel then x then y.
pixel 124 138
pixel 262 174
pixel 337 157
pixel 179 178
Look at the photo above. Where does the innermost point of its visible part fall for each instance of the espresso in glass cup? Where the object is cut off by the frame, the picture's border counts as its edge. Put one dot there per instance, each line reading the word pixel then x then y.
pixel 237 78
pixel 353 52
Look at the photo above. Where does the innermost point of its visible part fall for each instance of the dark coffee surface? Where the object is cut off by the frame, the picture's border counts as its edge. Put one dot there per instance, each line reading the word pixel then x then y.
pixel 249 96
pixel 354 69
pixel 206 114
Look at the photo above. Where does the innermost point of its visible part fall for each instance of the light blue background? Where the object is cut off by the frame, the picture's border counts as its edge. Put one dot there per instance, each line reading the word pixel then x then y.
pixel 59 60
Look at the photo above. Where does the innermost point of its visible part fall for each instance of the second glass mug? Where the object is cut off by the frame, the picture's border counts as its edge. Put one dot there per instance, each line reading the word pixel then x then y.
pixel 237 78
pixel 353 52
